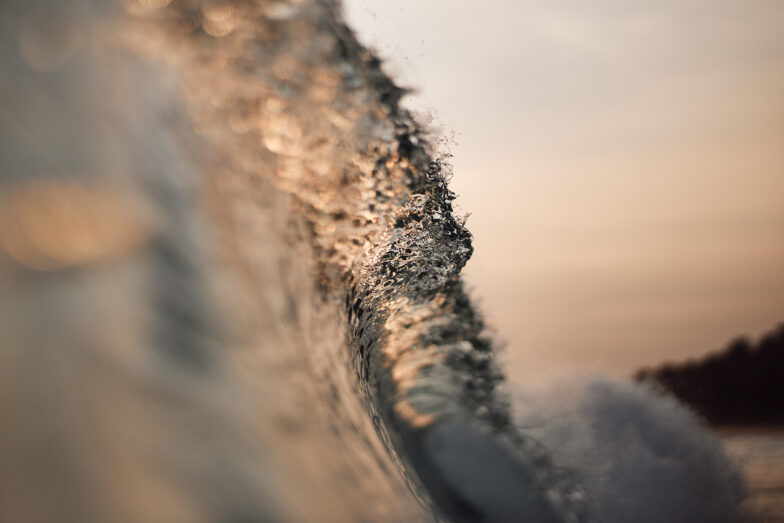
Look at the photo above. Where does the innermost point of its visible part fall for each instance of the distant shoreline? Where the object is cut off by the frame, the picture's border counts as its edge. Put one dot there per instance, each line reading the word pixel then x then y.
pixel 731 430
pixel 739 386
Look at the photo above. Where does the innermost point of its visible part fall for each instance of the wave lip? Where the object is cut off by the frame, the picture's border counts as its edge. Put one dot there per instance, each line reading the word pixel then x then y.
pixel 423 351
pixel 370 188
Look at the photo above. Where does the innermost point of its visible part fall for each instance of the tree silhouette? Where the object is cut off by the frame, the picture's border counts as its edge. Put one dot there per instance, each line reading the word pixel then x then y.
pixel 741 384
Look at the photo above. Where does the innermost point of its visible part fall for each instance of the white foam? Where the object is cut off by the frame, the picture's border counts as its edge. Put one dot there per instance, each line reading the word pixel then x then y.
pixel 639 455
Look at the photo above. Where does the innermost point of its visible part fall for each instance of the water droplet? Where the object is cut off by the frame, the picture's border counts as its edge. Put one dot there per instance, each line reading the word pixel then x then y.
pixel 140 7
pixel 219 19
pixel 53 225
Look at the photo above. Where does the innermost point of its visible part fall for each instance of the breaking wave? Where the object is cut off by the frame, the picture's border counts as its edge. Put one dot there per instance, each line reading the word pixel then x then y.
pixel 230 274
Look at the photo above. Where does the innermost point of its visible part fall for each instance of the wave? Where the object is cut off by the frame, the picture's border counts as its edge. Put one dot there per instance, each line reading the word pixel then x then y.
pixel 231 292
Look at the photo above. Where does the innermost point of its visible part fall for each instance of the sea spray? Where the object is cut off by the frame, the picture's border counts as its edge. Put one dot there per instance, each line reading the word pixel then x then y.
pixel 640 455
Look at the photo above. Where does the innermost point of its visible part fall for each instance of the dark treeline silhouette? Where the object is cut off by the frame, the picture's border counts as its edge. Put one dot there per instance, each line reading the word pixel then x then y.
pixel 742 384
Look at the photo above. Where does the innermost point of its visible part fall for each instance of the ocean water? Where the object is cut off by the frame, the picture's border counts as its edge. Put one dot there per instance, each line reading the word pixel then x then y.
pixel 230 291
pixel 760 453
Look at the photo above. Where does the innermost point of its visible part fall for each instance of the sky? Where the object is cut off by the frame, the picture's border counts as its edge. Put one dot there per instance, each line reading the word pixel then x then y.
pixel 622 162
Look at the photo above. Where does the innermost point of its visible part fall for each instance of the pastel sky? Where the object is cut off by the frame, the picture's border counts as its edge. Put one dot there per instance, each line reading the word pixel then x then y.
pixel 622 161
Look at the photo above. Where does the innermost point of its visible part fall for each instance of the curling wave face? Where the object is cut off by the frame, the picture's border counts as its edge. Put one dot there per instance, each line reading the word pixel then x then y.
pixel 231 283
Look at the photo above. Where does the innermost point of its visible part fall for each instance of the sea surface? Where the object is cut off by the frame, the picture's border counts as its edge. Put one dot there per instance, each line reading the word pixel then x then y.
pixel 760 454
